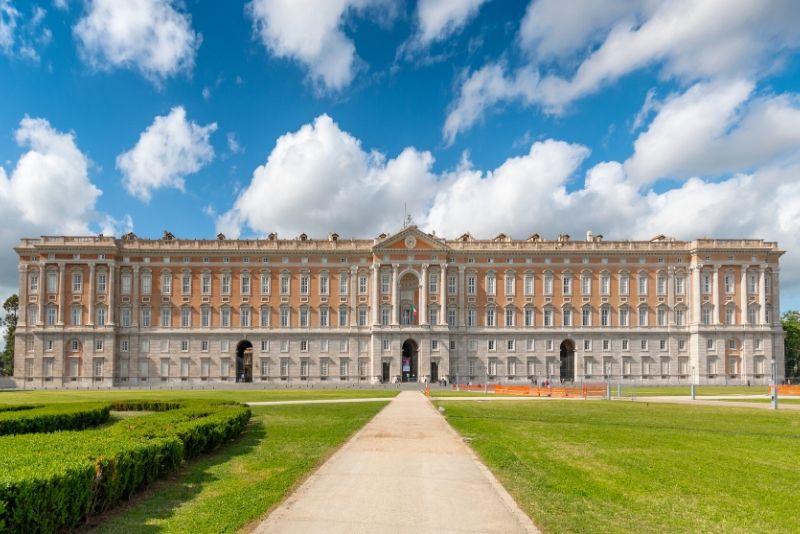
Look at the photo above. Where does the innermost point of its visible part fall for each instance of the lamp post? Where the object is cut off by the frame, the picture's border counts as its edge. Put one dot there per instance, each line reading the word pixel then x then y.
pixel 774 366
pixel 694 386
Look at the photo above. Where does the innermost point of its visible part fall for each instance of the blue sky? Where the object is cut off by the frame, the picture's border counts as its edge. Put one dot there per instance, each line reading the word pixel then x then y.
pixel 627 118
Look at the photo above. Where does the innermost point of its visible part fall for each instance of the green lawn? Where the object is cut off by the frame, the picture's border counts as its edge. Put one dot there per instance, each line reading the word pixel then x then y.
pixel 781 400
pixel 634 467
pixel 225 491
pixel 240 395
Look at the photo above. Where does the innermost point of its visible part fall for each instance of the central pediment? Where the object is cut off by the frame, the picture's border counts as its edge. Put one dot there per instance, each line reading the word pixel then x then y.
pixel 411 238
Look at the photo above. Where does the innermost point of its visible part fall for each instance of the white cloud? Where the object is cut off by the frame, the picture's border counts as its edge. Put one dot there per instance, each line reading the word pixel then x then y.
pixel 438 19
pixel 150 36
pixel 320 179
pixel 47 193
pixel 688 40
pixel 716 128
pixel 233 143
pixel 8 23
pixel 61 4
pixel 310 32
pixel 166 152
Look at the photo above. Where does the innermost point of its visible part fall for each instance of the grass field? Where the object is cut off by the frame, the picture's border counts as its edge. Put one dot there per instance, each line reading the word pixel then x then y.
pixel 645 468
pixel 239 395
pixel 225 491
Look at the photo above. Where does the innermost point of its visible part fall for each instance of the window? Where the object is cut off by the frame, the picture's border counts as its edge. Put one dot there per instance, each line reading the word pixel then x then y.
pixel 642 284
pixel 548 317
pixel 265 345
pixel 728 280
pixel 586 316
pixel 147 283
pixel 225 317
pixel 304 322
pixel 77 315
pixel 706 315
pixel 433 283
pixel 471 290
pixel 186 317
pixel 284 367
pixel 490 317
pixel 343 277
pixel 284 345
pixel 528 285
pixel 362 316
pixel 166 317
pixel 511 345
pixel 528 316
pixel 166 284
pixel 624 316
pixel 97 368
pixel 643 344
pixel 587 344
pixel 101 316
pixel 102 280
pixel 245 284
pixel 492 345
pixel 730 314
pixel 385 277
pixel 732 344
pixel 433 316
pixel 680 284
pixel 605 284
pixel 244 317
pixel 51 316
pixel 434 344
pixel 752 315
pixel 184 345
pixel 643 316
pixel 323 368
pixel 682 346
pixel 472 317
pixel 566 286
pixel 661 284
pixel 265 283
pixel 491 284
pixel 304 278
pixel 661 316
pixel 530 345
pixel 757 343
pixel 605 316
pixel 510 283
pixel 285 277
pixel 662 344
pixel 752 283
pixel 324 286
pixel 606 344
pixel 451 317
pixel 625 344
pixel 186 284
pixel 451 285
pixel 547 284
pixel 586 284
pixel 566 315
pixel 33 314
pixel 284 317
pixel 226 284
pixel 52 282
pixel 624 284
pixel 710 344
pixel 303 345
pixel 323 345
pixel 680 316
pixel 385 314
pixel 344 346
pixel 343 316
pixel 510 313
pixel 706 283
pixel 385 345
pixel 77 282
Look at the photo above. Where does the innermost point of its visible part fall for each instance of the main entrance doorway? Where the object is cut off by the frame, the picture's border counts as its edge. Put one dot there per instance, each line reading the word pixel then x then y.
pixel 410 360
pixel 567 357
pixel 385 370
pixel 244 361
pixel 434 372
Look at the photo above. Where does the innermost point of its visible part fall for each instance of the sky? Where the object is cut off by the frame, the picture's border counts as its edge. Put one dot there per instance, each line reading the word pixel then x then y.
pixel 630 118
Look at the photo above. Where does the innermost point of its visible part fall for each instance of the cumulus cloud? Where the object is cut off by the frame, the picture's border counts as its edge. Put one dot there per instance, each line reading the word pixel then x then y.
pixel 150 36
pixel 438 19
pixel 167 151
pixel 8 24
pixel 689 41
pixel 311 33
pixel 716 128
pixel 320 179
pixel 48 192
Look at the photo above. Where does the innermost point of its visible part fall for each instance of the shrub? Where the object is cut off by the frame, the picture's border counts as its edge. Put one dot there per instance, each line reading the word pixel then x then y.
pixel 87 472
pixel 52 418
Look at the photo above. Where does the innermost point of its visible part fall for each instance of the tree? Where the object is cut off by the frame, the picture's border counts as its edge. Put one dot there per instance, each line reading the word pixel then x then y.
pixel 791 329
pixel 11 307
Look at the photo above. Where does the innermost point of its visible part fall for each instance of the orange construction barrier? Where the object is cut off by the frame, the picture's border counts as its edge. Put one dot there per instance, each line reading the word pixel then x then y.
pixel 585 391
pixel 786 390
pixel 474 387
pixel 427 391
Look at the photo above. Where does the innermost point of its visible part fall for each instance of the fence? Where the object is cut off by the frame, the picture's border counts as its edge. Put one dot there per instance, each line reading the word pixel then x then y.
pixel 786 390
pixel 584 391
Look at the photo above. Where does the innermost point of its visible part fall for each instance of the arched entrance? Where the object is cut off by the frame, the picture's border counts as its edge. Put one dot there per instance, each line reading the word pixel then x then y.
pixel 244 361
pixel 567 360
pixel 410 361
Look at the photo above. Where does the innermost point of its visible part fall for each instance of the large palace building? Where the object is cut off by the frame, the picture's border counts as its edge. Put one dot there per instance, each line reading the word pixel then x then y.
pixel 100 311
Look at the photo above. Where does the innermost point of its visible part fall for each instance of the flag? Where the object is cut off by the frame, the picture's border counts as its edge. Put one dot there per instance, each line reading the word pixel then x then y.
pixel 414 312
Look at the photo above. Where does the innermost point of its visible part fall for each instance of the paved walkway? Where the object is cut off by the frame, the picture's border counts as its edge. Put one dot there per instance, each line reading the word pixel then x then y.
pixel 407 470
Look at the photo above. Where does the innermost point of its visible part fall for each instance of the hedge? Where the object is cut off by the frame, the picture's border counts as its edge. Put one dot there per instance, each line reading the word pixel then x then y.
pixel 52 418
pixel 86 473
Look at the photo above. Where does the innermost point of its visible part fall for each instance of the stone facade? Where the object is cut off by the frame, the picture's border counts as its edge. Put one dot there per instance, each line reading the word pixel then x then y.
pixel 99 311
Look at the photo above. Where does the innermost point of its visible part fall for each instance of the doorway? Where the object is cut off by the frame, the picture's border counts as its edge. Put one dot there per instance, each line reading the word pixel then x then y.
pixel 567 360
pixel 410 360
pixel 385 372
pixel 244 361
pixel 434 371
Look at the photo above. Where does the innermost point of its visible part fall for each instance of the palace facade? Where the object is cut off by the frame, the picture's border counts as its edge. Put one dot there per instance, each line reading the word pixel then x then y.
pixel 100 311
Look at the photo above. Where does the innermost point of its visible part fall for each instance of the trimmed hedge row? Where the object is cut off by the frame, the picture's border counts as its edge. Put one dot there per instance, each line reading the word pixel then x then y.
pixel 54 481
pixel 54 417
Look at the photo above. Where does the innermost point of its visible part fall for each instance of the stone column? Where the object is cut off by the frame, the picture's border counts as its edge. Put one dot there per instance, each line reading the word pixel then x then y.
pixel 671 295
pixel 90 322
pixel 423 296
pixel 461 289
pixel 110 288
pixel 62 292
pixel 743 296
pixel 376 272
pixel 22 315
pixel 443 294
pixel 695 294
pixel 135 296
pixel 715 295
pixel 762 297
pixel 395 289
